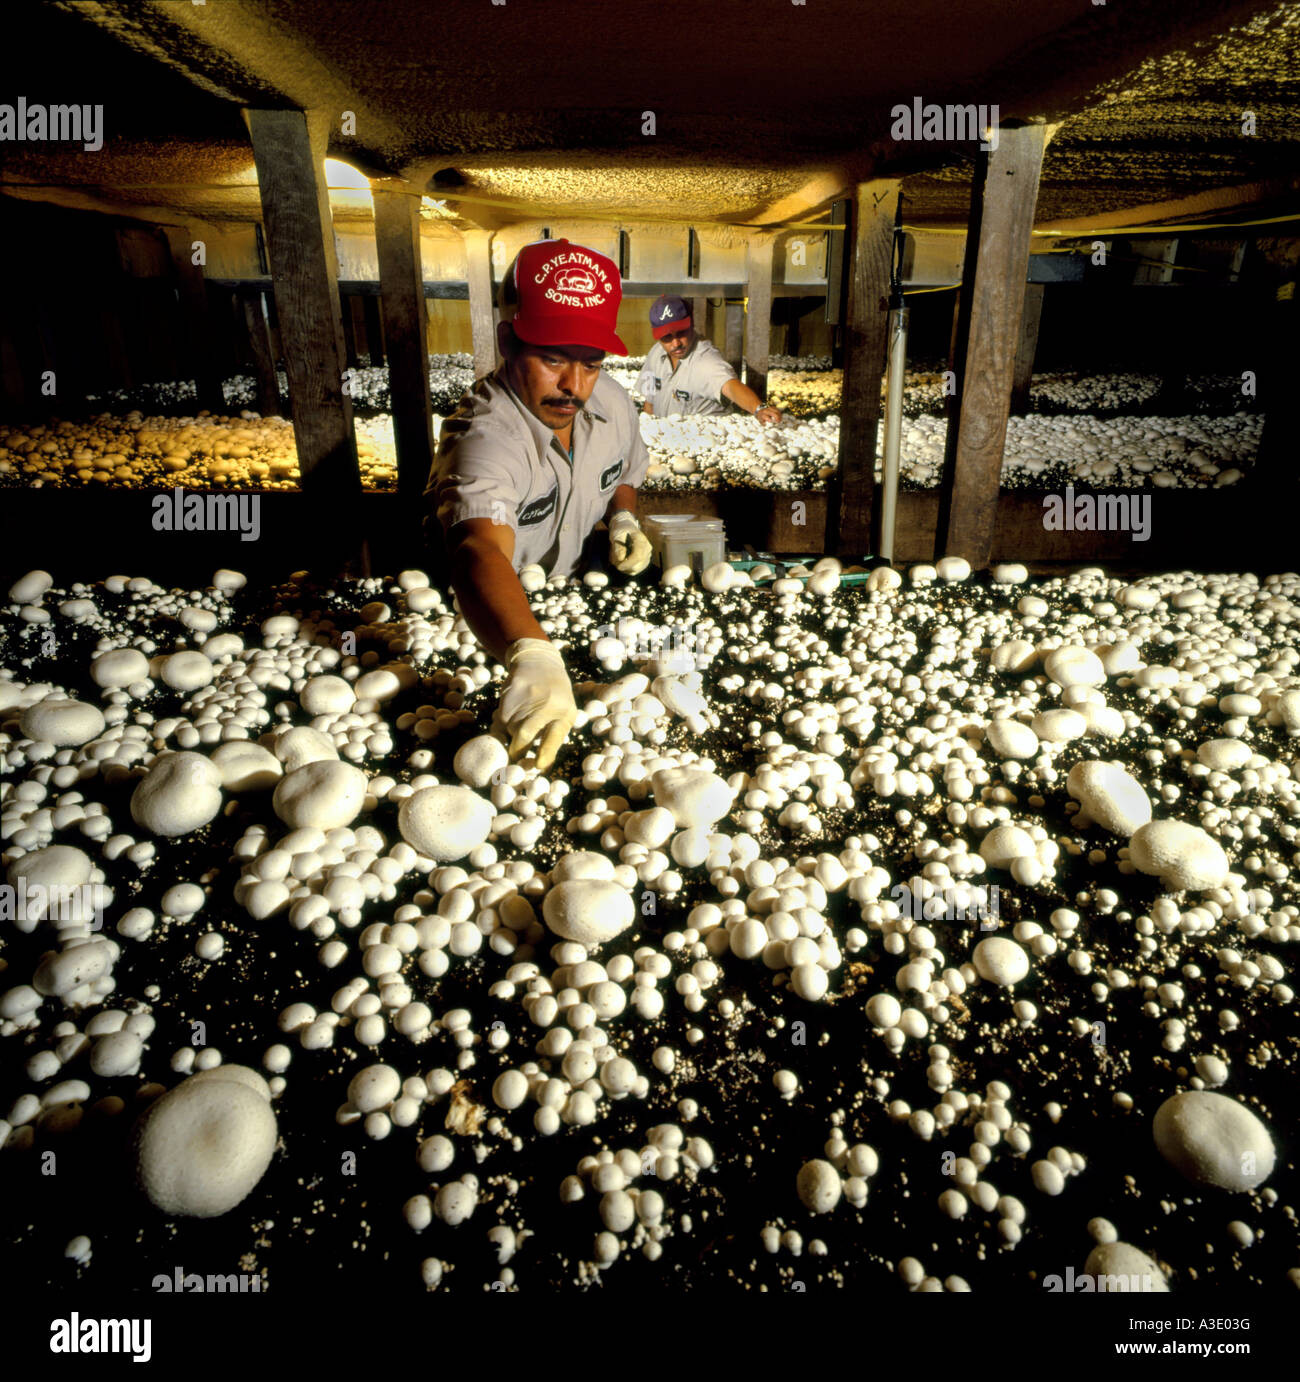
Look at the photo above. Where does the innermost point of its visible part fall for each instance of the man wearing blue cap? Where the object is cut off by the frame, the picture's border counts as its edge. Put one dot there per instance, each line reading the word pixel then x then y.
pixel 683 373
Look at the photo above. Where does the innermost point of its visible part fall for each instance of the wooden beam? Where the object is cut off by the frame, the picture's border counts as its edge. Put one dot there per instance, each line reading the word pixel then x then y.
pixel 1004 194
pixel 268 385
pixel 196 330
pixel 482 318
pixel 1023 374
pixel 734 343
pixel 758 310
pixel 397 239
pixel 865 327
pixel 289 151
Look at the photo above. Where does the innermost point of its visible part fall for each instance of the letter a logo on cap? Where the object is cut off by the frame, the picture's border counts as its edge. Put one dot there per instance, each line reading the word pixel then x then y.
pixel 669 313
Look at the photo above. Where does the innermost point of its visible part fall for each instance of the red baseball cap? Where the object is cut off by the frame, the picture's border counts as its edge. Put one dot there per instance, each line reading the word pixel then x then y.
pixel 568 295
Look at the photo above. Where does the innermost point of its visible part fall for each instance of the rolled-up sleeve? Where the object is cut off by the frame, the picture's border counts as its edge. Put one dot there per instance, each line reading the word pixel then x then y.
pixel 472 478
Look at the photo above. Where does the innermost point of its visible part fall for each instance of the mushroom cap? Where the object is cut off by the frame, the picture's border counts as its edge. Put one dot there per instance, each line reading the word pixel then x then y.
pixel 590 911
pixel 1213 1140
pixel 1184 857
pixel 1110 795
pixel 202 1147
pixel 180 793
pixel 326 794
pixel 445 823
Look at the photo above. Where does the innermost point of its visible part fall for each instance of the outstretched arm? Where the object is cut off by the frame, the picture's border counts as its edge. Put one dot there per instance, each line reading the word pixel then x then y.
pixel 745 397
pixel 487 587
pixel 537 705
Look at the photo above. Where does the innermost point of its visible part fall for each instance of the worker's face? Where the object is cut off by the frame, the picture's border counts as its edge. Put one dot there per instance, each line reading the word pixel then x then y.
pixel 554 382
pixel 677 344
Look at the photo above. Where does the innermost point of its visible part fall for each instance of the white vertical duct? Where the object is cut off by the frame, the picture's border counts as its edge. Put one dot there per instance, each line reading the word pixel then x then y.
pixel 895 378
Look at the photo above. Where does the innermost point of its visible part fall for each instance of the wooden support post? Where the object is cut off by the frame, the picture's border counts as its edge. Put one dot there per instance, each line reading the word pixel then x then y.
pixel 397 238
pixel 734 345
pixel 700 315
pixel 196 328
pixel 374 329
pixel 346 310
pixel 289 151
pixel 1003 197
pixel 482 318
pixel 758 311
pixel 268 385
pixel 358 317
pixel 865 328
pixel 1023 375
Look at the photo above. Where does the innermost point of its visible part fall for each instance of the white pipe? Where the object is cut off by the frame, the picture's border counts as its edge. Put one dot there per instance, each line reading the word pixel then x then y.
pixel 893 427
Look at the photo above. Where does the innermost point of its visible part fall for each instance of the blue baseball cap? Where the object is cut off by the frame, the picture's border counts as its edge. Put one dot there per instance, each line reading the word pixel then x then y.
pixel 669 313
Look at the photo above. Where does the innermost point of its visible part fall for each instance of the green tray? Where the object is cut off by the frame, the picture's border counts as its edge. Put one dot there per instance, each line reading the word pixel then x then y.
pixel 748 564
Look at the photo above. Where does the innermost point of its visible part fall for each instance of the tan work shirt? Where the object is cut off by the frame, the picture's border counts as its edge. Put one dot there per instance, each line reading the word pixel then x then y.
pixel 495 460
pixel 695 386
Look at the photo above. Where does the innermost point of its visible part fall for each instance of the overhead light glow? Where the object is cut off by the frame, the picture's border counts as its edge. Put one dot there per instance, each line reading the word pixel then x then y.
pixel 348 187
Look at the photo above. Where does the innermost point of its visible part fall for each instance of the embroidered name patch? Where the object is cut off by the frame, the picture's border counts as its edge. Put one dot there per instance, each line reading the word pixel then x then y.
pixel 538 509
pixel 607 477
pixel 682 395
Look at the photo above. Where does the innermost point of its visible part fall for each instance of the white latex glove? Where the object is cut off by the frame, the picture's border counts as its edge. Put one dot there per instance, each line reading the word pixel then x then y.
pixel 629 548
pixel 538 700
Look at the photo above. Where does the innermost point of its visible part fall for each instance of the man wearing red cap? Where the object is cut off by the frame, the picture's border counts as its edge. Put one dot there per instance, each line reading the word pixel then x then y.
pixel 534 458
pixel 684 373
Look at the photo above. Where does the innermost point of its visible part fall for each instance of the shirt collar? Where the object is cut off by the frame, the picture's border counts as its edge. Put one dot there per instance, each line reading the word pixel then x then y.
pixel 541 433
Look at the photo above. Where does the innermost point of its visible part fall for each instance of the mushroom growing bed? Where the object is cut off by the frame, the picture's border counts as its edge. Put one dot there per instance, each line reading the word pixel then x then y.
pixel 924 933
pixel 1085 430
pixel 686 452
pixel 814 392
pixel 711 453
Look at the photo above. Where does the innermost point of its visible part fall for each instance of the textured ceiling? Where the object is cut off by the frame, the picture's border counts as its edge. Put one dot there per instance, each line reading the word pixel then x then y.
pixel 1169 131
pixel 763 111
